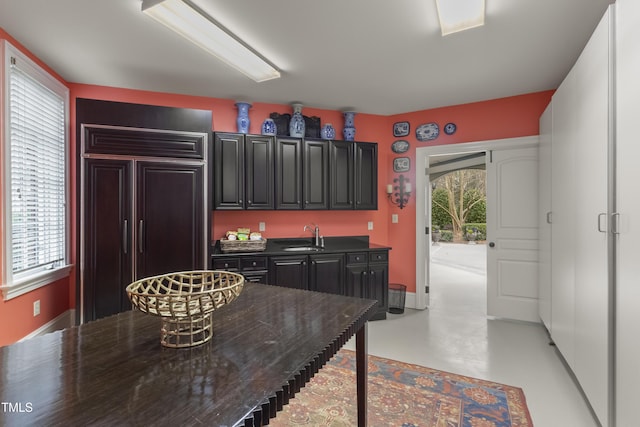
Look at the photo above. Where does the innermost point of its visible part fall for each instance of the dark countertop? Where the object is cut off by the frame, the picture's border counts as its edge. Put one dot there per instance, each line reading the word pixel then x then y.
pixel 331 245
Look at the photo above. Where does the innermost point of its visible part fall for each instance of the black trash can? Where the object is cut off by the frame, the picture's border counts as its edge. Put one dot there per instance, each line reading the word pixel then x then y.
pixel 397 294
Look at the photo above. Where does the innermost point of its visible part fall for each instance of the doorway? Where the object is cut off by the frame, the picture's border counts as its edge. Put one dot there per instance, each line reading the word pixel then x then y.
pixel 511 194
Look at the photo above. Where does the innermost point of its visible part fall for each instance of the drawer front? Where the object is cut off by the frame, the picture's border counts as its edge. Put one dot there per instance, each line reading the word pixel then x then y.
pixel 253 263
pixel 228 264
pixel 357 258
pixel 379 256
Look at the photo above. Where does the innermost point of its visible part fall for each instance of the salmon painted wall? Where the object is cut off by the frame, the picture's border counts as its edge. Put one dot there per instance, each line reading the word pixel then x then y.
pixel 16 315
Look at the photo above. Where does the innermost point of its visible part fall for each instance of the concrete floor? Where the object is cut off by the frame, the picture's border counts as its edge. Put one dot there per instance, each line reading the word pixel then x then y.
pixel 455 335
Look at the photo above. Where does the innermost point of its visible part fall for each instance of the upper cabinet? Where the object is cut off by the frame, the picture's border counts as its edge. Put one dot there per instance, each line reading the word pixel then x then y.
pixel 354 175
pixel 263 172
pixel 243 171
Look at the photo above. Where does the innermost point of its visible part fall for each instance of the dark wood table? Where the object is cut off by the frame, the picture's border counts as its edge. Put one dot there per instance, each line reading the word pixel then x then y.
pixel 266 346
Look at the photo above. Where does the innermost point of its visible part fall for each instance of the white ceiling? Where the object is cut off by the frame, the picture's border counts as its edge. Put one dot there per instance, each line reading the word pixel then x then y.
pixel 373 56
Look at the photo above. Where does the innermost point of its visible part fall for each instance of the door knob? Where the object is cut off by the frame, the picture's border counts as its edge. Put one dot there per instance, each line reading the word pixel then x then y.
pixel 491 244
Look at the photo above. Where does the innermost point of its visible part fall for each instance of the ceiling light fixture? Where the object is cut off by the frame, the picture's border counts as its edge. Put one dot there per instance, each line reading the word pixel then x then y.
pixel 188 20
pixel 460 15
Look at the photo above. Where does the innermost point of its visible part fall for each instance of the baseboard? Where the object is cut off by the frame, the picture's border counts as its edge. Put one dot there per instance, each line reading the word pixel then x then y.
pixel 410 300
pixel 65 320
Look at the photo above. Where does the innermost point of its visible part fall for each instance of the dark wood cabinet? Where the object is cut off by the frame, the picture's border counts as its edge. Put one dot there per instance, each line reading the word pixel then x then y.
pixel 253 268
pixel 326 273
pixel 366 175
pixel 288 180
pixel 354 175
pixel 243 172
pixel 368 277
pixel 316 174
pixel 169 226
pixel 291 271
pixel 140 217
pixel 341 175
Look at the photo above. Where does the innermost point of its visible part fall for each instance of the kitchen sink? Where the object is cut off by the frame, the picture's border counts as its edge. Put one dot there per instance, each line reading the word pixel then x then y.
pixel 301 249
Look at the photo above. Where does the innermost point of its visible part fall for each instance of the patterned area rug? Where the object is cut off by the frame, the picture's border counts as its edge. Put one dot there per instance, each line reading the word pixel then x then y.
pixel 403 395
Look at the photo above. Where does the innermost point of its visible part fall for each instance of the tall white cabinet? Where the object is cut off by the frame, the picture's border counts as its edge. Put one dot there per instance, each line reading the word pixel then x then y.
pixel 590 286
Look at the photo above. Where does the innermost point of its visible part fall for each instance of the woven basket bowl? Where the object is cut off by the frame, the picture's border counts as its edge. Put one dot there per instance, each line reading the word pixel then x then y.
pixel 185 301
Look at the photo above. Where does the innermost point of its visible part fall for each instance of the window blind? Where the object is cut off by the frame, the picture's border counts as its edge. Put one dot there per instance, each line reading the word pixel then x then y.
pixel 37 162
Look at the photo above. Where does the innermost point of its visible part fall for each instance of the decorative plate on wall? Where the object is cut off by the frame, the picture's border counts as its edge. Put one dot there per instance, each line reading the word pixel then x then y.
pixel 401 164
pixel 400 146
pixel 401 129
pixel 450 128
pixel 427 132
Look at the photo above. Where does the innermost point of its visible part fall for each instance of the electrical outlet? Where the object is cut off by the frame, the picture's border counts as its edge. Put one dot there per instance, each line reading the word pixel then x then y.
pixel 370 225
pixel 394 218
pixel 36 308
pixel 261 226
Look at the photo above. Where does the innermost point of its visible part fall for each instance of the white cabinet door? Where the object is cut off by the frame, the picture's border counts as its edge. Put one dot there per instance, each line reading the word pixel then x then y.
pixel 628 205
pixel 512 228
pixel 544 216
pixel 592 323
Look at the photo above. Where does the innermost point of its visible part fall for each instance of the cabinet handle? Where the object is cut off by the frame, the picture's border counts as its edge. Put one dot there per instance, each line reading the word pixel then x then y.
pixel 226 265
pixel 140 236
pixel 125 236
pixel 254 263
pixel 616 223
pixel 600 215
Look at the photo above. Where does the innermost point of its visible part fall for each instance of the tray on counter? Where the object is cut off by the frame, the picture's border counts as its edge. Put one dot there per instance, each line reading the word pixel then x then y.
pixel 243 245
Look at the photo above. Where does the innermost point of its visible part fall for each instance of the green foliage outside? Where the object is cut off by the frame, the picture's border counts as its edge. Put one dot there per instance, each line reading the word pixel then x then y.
pixel 480 230
pixel 439 216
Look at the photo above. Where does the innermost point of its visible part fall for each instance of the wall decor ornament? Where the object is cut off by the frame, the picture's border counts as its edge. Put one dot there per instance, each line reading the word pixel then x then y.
pixel 401 164
pixel 400 146
pixel 401 129
pixel 427 132
pixel 269 127
pixel 399 192
pixel 450 128
pixel 297 125
pixel 243 117
pixel 349 131
pixel 328 132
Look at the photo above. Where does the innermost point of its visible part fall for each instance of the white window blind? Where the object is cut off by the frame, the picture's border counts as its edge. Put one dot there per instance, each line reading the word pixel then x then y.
pixel 35 172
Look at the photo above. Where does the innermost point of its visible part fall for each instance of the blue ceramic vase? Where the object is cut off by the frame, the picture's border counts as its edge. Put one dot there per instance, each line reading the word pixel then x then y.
pixel 327 132
pixel 296 125
pixel 243 117
pixel 349 131
pixel 268 127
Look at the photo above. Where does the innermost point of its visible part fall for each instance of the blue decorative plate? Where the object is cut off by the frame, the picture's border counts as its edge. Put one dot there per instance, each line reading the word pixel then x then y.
pixel 450 128
pixel 401 129
pixel 400 146
pixel 427 132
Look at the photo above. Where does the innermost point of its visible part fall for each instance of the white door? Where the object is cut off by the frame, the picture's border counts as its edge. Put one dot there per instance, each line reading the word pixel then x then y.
pixel 628 205
pixel 512 234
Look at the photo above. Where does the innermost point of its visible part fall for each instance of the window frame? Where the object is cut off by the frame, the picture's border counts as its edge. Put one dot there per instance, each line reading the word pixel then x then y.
pixel 13 287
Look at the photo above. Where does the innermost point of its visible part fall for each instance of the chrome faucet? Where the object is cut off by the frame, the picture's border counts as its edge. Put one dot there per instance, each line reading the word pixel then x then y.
pixel 316 232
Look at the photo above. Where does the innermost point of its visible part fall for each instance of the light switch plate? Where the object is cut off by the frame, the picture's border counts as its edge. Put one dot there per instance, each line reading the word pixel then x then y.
pixel 394 218
pixel 261 226
pixel 370 225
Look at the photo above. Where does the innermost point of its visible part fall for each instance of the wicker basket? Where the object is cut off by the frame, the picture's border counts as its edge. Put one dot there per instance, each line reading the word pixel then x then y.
pixel 185 302
pixel 243 245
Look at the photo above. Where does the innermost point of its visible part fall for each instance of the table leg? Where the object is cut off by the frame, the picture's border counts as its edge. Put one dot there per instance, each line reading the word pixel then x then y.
pixel 361 374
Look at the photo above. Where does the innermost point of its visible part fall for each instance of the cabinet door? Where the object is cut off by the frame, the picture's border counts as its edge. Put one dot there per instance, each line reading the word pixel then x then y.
pixel 228 171
pixel 107 237
pixel 170 233
pixel 259 173
pixel 366 175
pixel 290 271
pixel 288 173
pixel 341 175
pixel 327 273
pixel 378 286
pixel 356 280
pixel 316 174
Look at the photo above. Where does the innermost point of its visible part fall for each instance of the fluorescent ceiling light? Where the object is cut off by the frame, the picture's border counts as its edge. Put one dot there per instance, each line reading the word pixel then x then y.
pixel 459 15
pixel 192 23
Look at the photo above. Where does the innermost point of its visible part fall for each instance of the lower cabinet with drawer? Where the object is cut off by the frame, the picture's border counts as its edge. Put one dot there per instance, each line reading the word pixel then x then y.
pixel 368 277
pixel 359 274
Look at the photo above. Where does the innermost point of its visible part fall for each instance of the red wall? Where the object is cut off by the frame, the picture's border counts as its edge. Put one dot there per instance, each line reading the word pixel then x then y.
pixel 496 119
